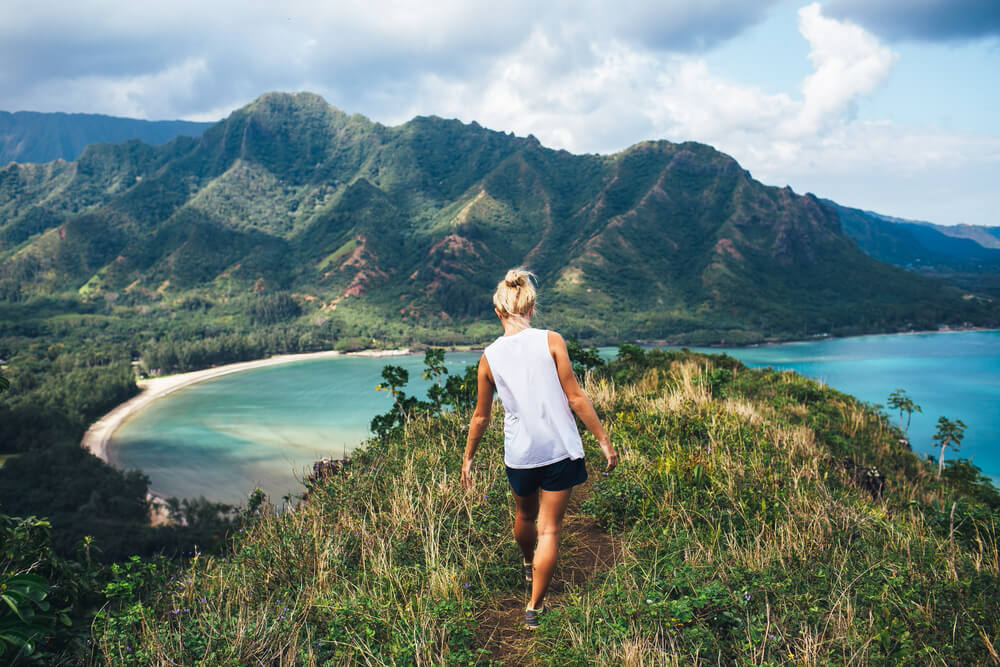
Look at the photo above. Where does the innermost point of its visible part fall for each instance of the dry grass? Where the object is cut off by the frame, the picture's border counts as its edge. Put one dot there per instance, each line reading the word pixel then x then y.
pixel 739 502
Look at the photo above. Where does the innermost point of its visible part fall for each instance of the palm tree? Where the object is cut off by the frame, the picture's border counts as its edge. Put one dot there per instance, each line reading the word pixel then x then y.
pixel 949 434
pixel 898 400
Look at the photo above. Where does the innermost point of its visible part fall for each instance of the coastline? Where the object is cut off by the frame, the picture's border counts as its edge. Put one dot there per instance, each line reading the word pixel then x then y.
pixel 98 436
pixel 809 339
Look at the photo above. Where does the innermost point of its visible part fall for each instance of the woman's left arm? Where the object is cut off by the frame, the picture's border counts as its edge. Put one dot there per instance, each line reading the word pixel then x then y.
pixel 480 418
pixel 578 401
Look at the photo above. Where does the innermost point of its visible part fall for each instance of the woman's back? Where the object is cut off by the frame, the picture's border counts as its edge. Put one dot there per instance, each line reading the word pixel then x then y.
pixel 532 372
pixel 539 427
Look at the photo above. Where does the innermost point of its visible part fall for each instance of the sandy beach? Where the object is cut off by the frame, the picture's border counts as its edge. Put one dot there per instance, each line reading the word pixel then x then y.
pixel 98 436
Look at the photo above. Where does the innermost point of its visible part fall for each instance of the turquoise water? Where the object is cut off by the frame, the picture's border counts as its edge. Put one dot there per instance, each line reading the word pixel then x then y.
pixel 955 374
pixel 265 427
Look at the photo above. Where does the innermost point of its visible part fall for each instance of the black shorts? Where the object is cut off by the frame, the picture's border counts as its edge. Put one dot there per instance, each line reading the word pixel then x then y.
pixel 557 476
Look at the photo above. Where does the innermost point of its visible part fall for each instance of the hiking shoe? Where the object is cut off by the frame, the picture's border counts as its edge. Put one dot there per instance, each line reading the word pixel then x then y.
pixel 528 572
pixel 532 617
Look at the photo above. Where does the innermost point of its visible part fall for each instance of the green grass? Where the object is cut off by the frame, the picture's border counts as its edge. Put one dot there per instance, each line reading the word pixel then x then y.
pixel 739 540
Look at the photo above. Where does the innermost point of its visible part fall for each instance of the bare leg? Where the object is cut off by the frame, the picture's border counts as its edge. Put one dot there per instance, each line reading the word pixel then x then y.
pixel 552 507
pixel 524 524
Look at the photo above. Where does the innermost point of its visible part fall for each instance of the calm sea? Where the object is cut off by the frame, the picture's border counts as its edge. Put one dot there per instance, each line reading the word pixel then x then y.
pixel 265 427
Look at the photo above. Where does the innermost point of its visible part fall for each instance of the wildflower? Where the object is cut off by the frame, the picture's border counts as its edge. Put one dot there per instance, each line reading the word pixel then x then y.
pixel 747 597
pixel 649 601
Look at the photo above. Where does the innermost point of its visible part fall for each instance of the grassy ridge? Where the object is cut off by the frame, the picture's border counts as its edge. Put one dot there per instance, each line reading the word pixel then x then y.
pixel 739 539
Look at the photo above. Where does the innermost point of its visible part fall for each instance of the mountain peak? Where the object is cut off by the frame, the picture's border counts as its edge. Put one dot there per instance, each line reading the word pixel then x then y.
pixel 280 100
pixel 289 105
pixel 288 188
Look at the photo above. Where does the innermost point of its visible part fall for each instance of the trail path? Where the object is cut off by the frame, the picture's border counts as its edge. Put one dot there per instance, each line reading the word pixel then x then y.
pixel 585 549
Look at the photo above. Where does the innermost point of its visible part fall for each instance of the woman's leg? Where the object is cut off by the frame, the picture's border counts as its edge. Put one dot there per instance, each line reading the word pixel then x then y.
pixel 551 508
pixel 525 513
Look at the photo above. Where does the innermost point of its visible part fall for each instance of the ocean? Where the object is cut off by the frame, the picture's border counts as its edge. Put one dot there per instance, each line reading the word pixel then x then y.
pixel 265 427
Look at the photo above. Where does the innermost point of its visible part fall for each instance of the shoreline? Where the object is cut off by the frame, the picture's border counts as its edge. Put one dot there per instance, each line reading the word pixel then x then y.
pixel 98 437
pixel 811 339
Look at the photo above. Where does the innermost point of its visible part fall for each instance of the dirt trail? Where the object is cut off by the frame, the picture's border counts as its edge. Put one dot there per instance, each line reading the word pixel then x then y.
pixel 585 549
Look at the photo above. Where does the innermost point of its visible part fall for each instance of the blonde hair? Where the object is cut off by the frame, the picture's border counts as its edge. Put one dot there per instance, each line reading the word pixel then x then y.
pixel 515 294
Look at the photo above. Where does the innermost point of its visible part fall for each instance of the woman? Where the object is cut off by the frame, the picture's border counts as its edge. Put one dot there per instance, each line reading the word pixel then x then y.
pixel 532 372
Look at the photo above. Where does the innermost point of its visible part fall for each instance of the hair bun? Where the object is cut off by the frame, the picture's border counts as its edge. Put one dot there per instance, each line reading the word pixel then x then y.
pixel 515 278
pixel 515 294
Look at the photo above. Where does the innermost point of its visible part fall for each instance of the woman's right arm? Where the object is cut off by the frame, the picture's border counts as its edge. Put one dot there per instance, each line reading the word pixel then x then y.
pixel 480 418
pixel 578 400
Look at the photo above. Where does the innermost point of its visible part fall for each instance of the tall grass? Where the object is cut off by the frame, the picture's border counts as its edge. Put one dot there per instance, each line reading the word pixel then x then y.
pixel 749 543
pixel 740 539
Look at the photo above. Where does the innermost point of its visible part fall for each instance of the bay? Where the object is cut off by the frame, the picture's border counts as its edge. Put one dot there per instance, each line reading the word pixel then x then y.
pixel 265 427
pixel 261 428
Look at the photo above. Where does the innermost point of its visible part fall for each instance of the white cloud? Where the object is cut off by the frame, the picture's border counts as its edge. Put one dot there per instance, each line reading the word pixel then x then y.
pixel 138 96
pixel 601 96
pixel 584 75
pixel 849 62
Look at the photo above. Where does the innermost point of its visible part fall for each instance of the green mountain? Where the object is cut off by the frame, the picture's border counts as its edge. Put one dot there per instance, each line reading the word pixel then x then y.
pixel 413 225
pixel 967 255
pixel 31 136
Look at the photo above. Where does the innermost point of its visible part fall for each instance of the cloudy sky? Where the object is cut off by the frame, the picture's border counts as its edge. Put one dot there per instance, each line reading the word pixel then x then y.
pixel 889 105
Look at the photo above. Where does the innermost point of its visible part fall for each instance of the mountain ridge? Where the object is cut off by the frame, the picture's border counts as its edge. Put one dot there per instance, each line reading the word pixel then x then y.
pixel 39 137
pixel 417 221
pixel 966 255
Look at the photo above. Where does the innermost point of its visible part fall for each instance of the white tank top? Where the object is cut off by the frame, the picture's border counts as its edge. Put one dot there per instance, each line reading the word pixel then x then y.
pixel 538 425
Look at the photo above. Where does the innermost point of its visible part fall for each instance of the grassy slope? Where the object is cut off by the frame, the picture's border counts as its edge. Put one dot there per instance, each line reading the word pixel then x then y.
pixel 737 539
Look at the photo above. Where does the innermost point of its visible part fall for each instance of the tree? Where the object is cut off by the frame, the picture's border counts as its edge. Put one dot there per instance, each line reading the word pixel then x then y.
pixel 403 406
pixel 898 400
pixel 949 434
pixel 460 391
pixel 582 358
pixel 434 366
pixel 434 369
pixel 395 378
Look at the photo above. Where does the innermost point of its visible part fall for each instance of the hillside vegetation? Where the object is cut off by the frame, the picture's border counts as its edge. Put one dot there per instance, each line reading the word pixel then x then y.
pixel 732 533
pixel 966 255
pixel 399 234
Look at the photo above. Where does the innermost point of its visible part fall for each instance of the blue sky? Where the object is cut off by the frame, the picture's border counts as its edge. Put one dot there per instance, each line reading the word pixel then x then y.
pixel 888 105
